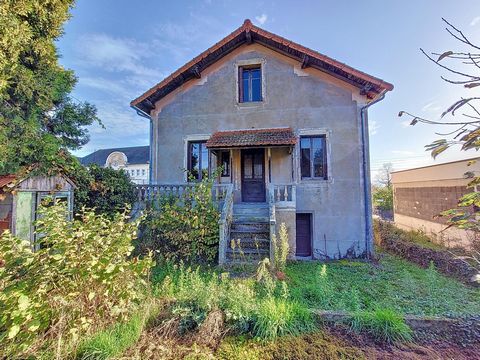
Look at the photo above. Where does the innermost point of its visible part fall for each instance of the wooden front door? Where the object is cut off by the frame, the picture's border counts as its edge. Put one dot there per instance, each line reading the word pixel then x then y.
pixel 304 235
pixel 253 175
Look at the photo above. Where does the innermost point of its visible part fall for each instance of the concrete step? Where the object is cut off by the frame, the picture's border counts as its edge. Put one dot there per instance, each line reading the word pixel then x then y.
pixel 247 236
pixel 246 256
pixel 252 218
pixel 250 227
pixel 249 244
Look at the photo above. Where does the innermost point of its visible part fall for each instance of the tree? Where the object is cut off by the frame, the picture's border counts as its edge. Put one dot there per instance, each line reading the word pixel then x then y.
pixel 463 120
pixel 384 176
pixel 39 120
pixel 106 190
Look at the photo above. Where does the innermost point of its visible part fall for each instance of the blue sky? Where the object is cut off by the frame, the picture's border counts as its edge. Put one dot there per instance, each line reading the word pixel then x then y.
pixel 118 49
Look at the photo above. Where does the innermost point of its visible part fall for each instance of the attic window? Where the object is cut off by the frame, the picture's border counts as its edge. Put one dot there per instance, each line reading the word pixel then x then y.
pixel 250 83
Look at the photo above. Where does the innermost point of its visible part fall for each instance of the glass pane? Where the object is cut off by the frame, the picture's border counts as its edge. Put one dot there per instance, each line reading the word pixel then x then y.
pixel 204 153
pixel 245 84
pixel 247 166
pixel 305 162
pixel 318 157
pixel 305 143
pixel 258 166
pixel 194 160
pixel 225 163
pixel 256 90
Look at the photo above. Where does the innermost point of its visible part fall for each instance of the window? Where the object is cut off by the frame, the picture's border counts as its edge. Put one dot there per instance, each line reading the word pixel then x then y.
pixel 143 172
pixel 198 160
pixel 313 154
pixel 225 163
pixel 138 172
pixel 250 83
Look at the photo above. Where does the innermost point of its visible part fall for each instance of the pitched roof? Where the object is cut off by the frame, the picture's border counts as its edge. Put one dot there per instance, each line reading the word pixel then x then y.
pixel 251 138
pixel 135 155
pixel 246 34
pixel 6 180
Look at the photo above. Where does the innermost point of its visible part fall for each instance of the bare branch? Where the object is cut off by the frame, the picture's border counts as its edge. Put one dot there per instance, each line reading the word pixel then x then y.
pixel 447 68
pixel 464 39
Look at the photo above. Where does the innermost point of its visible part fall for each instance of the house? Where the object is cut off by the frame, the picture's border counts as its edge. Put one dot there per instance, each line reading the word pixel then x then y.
pixel 420 194
pixel 289 128
pixel 20 198
pixel 134 160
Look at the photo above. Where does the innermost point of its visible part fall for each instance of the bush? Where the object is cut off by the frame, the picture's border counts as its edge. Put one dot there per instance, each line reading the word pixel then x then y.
pixel 105 190
pixel 280 249
pixel 183 228
pixel 82 278
pixel 278 317
pixel 384 325
pixel 249 309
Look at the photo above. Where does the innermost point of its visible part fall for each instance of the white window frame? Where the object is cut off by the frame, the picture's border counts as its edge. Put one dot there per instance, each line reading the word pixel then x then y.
pixel 186 140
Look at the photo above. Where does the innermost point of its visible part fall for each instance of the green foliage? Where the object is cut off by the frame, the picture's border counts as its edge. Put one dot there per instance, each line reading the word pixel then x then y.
pixel 277 317
pixel 392 284
pixel 185 227
pixel 81 278
pixel 114 340
pixel 38 118
pixel 105 190
pixel 248 307
pixel 280 249
pixel 384 324
pixel 383 197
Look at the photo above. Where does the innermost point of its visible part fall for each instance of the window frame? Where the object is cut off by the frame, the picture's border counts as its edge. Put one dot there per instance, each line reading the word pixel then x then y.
pixel 225 172
pixel 249 68
pixel 312 165
pixel 189 159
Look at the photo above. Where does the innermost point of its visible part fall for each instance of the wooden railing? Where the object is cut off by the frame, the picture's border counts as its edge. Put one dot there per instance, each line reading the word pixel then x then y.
pixel 146 193
pixel 225 223
pixel 284 193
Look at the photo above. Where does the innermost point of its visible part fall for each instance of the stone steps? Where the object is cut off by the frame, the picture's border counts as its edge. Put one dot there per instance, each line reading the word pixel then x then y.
pixel 250 230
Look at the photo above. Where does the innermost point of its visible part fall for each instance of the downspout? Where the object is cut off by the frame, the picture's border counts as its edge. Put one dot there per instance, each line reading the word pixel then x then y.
pixel 366 176
pixel 150 165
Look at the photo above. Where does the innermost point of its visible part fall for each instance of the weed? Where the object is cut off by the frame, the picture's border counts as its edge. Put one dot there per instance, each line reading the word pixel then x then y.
pixel 384 325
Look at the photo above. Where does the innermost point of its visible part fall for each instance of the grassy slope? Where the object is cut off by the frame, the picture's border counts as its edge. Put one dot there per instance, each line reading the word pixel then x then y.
pixel 394 284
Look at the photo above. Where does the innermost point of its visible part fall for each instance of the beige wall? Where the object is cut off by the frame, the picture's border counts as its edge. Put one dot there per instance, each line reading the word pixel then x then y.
pixel 423 193
pixel 309 101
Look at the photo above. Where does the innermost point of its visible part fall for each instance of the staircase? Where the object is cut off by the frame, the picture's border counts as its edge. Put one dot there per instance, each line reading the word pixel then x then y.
pixel 250 231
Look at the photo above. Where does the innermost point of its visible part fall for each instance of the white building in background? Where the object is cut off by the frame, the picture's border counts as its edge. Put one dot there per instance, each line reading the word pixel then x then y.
pixel 134 160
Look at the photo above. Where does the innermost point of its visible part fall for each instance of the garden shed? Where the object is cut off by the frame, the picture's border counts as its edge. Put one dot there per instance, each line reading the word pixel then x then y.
pixel 20 198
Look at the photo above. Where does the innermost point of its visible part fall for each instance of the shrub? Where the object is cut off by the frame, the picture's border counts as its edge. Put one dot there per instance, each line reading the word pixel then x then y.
pixel 105 190
pixel 82 278
pixel 384 325
pixel 184 228
pixel 280 249
pixel 278 317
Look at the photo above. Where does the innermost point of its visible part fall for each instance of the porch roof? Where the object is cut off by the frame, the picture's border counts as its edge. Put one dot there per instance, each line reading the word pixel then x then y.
pixel 252 138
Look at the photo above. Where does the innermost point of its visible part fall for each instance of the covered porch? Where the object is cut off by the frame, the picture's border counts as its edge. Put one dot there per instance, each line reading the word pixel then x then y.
pixel 257 162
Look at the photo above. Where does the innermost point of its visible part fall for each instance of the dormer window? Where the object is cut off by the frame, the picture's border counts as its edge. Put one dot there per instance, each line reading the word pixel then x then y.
pixel 250 83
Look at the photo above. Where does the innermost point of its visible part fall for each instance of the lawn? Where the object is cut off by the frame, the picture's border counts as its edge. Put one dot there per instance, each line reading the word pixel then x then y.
pixel 392 283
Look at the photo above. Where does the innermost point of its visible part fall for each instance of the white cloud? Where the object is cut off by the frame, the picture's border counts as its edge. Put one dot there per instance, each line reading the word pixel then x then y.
pixel 115 54
pixel 431 107
pixel 475 21
pixel 406 123
pixel 108 86
pixel 262 19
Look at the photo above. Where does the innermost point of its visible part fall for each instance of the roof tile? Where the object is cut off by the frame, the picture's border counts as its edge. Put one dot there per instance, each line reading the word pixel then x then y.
pixel 252 138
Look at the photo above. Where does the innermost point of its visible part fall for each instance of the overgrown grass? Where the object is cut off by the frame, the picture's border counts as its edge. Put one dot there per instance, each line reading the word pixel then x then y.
pixel 262 309
pixel 383 324
pixel 392 284
pixel 113 341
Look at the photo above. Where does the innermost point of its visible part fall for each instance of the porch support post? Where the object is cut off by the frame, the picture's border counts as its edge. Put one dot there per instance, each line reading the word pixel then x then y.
pixel 269 157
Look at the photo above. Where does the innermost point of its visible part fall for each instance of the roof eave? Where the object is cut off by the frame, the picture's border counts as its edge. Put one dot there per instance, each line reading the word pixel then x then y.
pixel 369 85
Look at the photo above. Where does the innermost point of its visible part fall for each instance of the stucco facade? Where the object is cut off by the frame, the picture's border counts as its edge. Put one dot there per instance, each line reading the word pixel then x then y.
pixel 306 100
